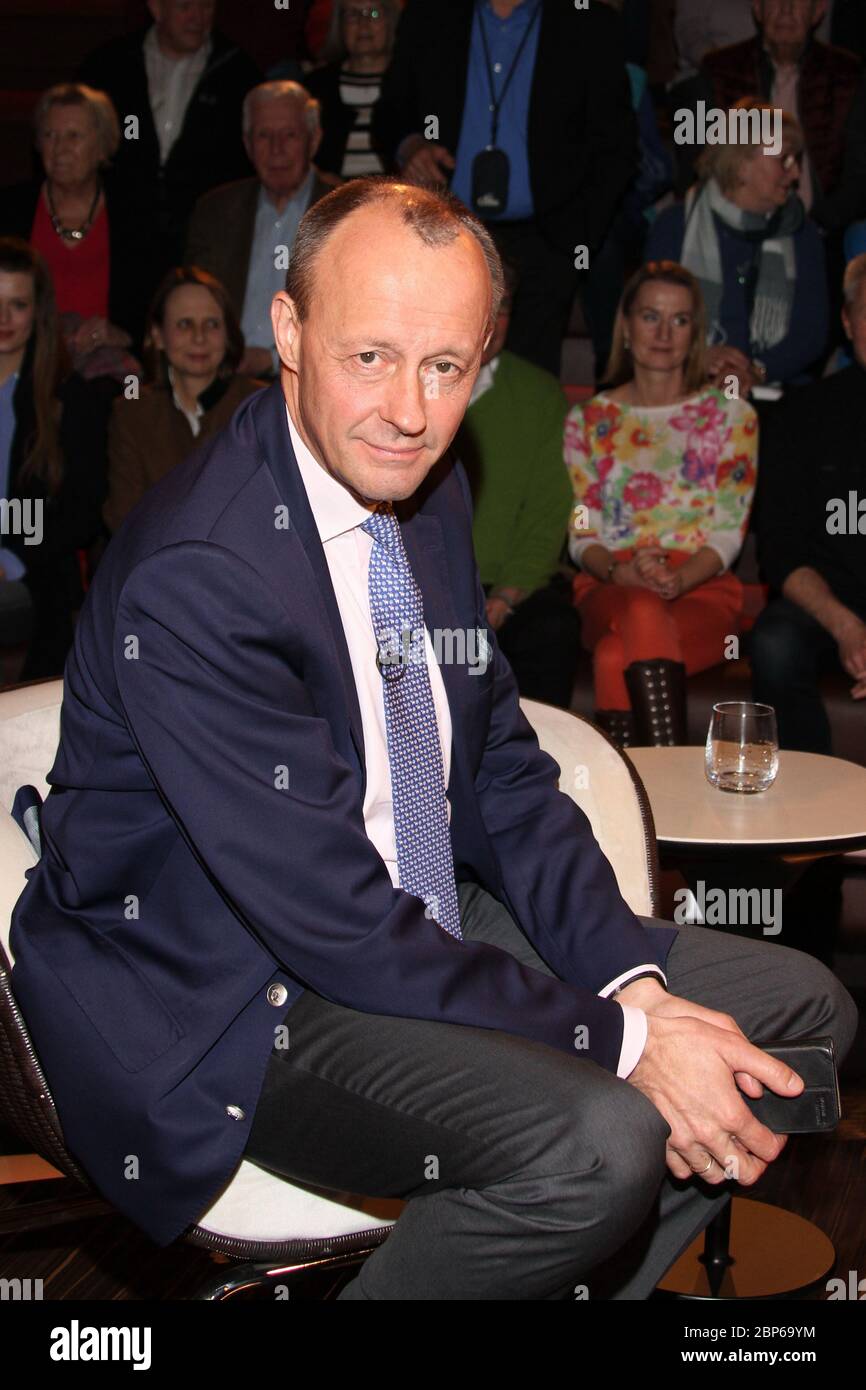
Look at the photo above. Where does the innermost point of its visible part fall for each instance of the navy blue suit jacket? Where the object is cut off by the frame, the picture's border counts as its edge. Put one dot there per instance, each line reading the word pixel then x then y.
pixel 180 879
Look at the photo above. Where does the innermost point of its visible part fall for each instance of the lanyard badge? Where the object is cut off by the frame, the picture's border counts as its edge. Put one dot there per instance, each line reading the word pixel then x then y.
pixel 491 168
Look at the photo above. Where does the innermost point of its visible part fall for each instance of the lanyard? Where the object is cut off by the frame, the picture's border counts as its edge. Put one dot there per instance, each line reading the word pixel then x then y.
pixel 496 105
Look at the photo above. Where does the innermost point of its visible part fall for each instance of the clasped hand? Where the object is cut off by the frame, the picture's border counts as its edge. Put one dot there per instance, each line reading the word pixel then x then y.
pixel 649 569
pixel 691 1067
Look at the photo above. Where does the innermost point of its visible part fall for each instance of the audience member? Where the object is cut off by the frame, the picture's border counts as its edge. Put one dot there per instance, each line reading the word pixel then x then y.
pixel 811 526
pixel 759 260
pixel 704 25
pixel 80 234
pixel 52 465
pixel 701 26
pixel 538 137
pixel 622 248
pixel 823 87
pixel 243 232
pixel 510 443
pixel 193 346
pixel 663 469
pixel 177 87
pixel 356 56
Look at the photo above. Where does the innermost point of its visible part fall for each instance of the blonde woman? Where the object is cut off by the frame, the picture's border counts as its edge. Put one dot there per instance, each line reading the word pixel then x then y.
pixel 663 469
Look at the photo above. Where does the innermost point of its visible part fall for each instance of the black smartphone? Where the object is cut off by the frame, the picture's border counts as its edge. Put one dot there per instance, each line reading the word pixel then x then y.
pixel 817 1107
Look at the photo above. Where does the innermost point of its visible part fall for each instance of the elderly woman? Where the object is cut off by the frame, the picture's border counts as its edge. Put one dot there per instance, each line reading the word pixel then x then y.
pixel 759 260
pixel 663 470
pixel 356 54
pixel 68 219
pixel 193 345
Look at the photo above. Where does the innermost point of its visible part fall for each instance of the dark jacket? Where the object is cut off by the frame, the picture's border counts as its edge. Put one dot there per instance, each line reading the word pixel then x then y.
pixel 806 338
pixel 813 450
pixel 582 136
pixel 71 517
pixel 338 119
pixel 832 112
pixel 221 230
pixel 127 296
pixel 208 150
pixel 150 436
pixel 155 1028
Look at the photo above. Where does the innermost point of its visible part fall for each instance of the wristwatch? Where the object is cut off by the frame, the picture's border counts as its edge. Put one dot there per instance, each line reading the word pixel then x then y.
pixel 644 975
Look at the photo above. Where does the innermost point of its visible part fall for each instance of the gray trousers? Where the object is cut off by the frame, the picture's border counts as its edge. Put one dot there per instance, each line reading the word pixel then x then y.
pixel 527 1173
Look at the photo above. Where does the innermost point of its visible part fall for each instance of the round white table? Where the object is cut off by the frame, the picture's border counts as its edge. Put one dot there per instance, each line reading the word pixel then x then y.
pixel 816 806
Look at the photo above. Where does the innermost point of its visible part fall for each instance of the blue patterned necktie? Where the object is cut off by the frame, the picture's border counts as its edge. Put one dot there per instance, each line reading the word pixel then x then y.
pixel 424 858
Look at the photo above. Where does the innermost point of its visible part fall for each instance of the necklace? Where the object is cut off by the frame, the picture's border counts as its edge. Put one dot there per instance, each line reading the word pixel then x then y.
pixel 72 233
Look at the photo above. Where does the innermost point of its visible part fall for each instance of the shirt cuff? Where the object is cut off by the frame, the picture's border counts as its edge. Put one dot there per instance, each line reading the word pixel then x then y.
pixel 727 545
pixel 629 975
pixel 634 1034
pixel 578 544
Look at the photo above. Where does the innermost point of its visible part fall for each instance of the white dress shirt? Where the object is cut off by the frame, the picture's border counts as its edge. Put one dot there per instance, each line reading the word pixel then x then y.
pixel 170 84
pixel 338 517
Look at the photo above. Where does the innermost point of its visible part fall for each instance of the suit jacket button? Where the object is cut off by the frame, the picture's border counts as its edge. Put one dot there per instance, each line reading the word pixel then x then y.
pixel 277 995
pixel 235 1112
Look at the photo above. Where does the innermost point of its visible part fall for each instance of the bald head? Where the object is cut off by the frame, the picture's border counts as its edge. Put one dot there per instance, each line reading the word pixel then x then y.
pixel 382 344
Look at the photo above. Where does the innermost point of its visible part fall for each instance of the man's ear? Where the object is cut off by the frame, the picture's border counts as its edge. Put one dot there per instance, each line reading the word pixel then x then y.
pixel 155 7
pixel 846 321
pixel 314 143
pixel 756 11
pixel 286 324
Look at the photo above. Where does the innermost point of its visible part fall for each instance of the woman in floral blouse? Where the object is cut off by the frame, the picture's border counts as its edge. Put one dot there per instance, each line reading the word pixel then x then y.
pixel 663 469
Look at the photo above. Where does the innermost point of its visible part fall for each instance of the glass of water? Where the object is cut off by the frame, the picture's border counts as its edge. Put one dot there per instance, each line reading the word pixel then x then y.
pixel 742 752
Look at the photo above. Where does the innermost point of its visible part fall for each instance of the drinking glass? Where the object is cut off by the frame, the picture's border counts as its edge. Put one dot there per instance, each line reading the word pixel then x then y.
pixel 742 752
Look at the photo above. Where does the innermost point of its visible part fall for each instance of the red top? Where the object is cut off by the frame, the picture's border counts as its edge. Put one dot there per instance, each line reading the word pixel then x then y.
pixel 79 269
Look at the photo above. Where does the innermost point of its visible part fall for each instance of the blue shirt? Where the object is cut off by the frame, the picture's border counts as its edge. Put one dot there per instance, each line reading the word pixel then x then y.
pixel 9 561
pixel 264 278
pixel 503 40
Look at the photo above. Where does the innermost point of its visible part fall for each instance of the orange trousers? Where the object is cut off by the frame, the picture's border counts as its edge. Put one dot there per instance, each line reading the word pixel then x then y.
pixel 624 623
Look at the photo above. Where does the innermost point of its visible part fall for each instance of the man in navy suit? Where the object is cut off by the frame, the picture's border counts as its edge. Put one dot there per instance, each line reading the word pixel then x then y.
pixel 214 953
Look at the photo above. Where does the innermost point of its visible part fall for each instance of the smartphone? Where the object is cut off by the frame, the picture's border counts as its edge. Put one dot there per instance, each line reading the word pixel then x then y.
pixel 817 1107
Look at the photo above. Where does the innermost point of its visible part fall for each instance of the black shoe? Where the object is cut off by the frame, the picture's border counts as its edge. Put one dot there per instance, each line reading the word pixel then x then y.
pixel 618 724
pixel 658 697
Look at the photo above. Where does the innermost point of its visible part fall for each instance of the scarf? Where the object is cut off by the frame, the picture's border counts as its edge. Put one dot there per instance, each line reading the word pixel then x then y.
pixel 770 292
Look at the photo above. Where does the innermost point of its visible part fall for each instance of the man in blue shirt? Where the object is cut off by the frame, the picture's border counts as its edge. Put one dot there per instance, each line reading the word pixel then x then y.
pixel 522 107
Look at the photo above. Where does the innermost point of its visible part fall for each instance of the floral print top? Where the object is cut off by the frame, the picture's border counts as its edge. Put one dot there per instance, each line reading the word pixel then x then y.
pixel 680 476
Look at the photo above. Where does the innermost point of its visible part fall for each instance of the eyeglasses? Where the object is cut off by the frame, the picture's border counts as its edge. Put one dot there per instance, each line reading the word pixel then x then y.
pixel 791 161
pixel 355 13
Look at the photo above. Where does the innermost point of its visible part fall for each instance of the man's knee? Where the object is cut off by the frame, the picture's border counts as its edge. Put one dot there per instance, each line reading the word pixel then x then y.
pixel 819 1001
pixel 780 648
pixel 836 1006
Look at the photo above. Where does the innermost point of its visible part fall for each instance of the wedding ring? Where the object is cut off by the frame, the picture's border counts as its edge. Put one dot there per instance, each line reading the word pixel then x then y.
pixel 699 1171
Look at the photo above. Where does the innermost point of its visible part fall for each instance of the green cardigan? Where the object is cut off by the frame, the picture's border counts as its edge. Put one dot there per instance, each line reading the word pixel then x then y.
pixel 511 445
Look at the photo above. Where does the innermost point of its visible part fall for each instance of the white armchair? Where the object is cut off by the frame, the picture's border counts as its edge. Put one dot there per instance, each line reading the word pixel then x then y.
pixel 261 1218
